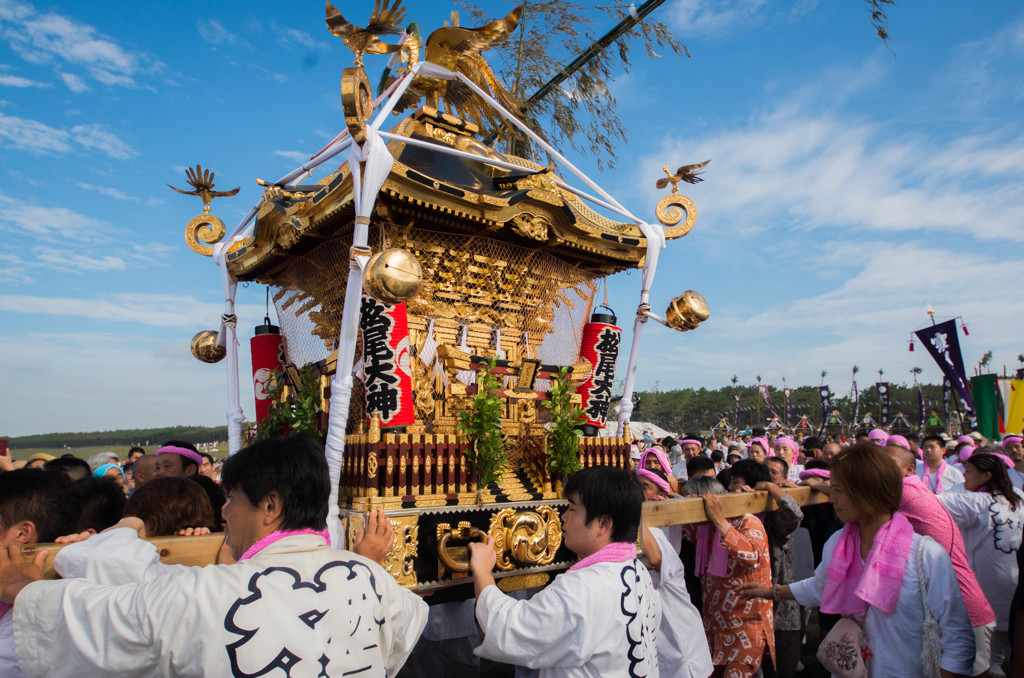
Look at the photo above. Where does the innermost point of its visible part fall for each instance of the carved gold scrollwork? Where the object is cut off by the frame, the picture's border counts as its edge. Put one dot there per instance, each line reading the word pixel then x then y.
pixel 207 229
pixel 526 537
pixel 670 212
pixel 400 559
pixel 531 226
pixel 371 465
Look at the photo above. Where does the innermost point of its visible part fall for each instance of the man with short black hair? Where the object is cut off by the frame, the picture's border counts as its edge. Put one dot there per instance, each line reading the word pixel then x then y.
pixel 937 475
pixel 701 466
pixel 598 619
pixel 290 606
pixel 35 506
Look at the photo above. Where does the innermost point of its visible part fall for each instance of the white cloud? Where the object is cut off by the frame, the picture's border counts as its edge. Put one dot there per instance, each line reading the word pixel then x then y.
pixel 74 83
pixel 51 223
pixel 817 169
pixel 294 36
pixel 58 40
pixel 33 136
pixel 296 156
pixel 76 262
pixel 213 32
pixel 37 137
pixel 17 81
pixel 13 269
pixel 156 310
pixel 97 137
pixel 106 190
pixel 710 18
pixel 123 378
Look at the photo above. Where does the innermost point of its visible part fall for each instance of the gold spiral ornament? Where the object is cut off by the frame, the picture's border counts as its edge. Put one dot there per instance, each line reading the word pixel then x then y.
pixel 670 211
pixel 356 102
pixel 204 228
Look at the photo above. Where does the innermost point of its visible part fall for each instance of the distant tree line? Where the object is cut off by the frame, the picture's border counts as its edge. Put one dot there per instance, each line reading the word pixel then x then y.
pixel 694 410
pixel 139 436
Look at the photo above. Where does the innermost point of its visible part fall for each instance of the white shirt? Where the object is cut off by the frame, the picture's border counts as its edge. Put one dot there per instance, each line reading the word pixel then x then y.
pixel 1016 477
pixel 683 650
pixel 794 473
pixel 896 639
pixel 8 659
pixel 601 620
pixel 296 604
pixel 992 536
pixel 950 477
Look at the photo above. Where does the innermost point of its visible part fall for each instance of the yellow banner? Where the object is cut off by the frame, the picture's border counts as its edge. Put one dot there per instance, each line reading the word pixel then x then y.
pixel 1015 414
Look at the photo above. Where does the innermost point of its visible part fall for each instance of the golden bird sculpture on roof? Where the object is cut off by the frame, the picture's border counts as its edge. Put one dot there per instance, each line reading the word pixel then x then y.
pixel 688 173
pixel 459 50
pixel 385 20
pixel 202 181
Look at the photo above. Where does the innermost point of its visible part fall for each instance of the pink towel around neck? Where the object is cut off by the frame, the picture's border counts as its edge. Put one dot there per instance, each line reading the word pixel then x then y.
pixel 852 585
pixel 616 552
pixel 712 557
pixel 281 534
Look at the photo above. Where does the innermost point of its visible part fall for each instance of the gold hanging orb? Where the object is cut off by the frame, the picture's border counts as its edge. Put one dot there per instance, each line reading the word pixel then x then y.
pixel 205 348
pixel 687 311
pixel 392 276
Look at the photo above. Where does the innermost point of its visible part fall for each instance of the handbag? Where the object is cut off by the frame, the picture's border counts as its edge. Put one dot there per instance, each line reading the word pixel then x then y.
pixel 842 650
pixel 931 650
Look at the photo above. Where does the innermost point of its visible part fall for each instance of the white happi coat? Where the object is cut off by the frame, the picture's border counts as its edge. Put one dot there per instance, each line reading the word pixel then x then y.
pixel 601 620
pixel 683 650
pixel 950 477
pixel 992 535
pixel 296 608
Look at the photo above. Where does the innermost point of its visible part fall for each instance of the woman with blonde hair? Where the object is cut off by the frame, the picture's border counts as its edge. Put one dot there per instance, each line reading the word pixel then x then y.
pixel 872 571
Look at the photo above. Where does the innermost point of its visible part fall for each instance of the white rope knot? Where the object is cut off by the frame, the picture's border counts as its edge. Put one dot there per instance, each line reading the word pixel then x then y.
pixel 229 320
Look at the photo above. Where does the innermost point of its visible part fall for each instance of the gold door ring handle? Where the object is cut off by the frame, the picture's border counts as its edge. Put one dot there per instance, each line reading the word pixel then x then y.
pixel 469 533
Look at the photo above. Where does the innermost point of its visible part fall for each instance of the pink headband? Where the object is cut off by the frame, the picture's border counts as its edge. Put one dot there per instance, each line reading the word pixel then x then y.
pixel 898 441
pixel 816 473
pixel 763 442
pixel 790 443
pixel 183 451
pixel 1006 460
pixel 877 434
pixel 691 441
pixel 1011 439
pixel 660 456
pixel 966 452
pixel 965 439
pixel 653 477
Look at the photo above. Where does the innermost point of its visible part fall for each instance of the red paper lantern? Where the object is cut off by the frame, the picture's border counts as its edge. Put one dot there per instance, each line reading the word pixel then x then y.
pixel 267 360
pixel 599 347
pixel 387 368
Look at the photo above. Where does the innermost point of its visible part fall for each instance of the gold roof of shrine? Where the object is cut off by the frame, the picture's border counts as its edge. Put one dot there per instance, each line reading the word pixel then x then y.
pixel 448 195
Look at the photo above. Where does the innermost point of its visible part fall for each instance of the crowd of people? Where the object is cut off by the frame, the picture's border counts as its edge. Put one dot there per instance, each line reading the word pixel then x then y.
pixel 912 567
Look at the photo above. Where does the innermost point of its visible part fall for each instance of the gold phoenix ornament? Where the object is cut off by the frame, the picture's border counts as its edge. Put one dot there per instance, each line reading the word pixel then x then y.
pixel 202 181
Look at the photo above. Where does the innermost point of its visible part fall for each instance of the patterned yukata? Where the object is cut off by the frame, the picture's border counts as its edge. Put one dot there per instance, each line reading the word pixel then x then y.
pixel 738 629
pixel 780 525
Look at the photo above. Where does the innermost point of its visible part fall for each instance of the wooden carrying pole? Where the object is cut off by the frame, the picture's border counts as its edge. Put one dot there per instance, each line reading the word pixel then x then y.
pixel 200 551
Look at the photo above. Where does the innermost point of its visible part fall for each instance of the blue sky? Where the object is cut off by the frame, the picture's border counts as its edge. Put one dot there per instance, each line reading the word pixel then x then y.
pixel 850 185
